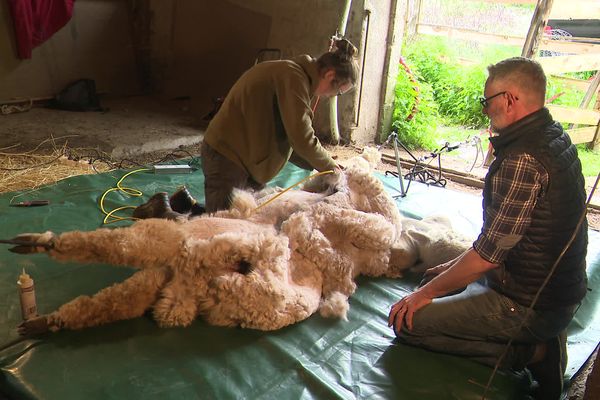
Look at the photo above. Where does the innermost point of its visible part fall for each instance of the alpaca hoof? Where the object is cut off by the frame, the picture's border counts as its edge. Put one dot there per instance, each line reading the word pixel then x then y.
pixel 170 316
pixel 34 326
pixel 29 243
pixel 183 202
pixel 157 206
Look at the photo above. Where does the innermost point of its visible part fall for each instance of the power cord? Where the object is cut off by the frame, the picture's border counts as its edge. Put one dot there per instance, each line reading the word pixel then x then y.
pixel 130 191
pixel 291 187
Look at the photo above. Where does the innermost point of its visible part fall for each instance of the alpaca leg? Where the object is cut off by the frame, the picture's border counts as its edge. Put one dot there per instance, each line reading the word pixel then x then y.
pixel 177 305
pixel 315 244
pixel 147 243
pixel 126 300
pixel 335 306
pixel 362 230
pixel 404 254
pixel 368 194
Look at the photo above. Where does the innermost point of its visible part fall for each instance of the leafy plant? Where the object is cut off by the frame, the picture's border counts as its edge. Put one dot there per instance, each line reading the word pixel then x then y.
pixel 415 113
pixel 449 88
pixel 456 88
pixel 590 160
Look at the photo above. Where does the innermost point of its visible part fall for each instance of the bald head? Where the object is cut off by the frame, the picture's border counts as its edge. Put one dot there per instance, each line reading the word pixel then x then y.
pixel 523 77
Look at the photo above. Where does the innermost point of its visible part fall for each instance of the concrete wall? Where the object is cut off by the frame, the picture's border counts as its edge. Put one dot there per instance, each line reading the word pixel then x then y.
pixel 198 48
pixel 213 42
pixel 95 44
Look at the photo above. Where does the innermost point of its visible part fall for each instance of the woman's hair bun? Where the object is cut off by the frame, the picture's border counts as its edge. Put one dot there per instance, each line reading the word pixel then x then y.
pixel 343 48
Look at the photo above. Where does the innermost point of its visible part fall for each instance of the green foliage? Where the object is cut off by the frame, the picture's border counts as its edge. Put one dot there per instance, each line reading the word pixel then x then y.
pixel 585 75
pixel 590 160
pixel 418 132
pixel 561 94
pixel 449 94
pixel 456 89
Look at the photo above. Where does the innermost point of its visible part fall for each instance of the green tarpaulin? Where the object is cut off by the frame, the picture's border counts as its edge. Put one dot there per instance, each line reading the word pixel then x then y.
pixel 318 358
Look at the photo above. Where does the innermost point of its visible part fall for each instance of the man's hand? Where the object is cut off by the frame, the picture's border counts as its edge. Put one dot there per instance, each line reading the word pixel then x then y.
pixel 34 326
pixel 404 310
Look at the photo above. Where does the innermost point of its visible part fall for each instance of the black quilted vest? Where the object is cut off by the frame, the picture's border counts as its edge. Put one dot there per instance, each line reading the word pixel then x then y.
pixel 554 218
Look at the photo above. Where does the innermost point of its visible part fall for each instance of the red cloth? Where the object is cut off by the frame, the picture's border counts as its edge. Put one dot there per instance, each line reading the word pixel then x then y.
pixel 36 20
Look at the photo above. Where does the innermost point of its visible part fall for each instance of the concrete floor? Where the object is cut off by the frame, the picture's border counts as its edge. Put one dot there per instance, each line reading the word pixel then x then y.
pixel 129 126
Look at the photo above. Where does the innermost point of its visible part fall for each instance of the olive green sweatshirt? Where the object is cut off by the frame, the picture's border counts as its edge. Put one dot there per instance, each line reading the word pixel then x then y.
pixel 265 115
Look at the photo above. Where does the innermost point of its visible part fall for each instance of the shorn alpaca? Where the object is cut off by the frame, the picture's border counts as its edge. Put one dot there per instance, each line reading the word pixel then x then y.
pixel 261 268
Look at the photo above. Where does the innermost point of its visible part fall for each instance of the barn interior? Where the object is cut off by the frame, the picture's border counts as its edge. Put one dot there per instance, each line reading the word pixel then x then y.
pixel 155 56
pixel 158 68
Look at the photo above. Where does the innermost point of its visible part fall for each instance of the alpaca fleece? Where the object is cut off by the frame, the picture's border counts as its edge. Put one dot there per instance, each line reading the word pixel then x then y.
pixel 254 267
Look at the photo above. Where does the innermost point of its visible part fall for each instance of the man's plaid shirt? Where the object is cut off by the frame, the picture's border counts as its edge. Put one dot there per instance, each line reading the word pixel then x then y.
pixel 516 186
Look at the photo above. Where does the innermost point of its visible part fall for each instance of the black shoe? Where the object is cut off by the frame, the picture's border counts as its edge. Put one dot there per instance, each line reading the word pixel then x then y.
pixel 550 371
pixel 182 201
pixel 197 209
pixel 156 207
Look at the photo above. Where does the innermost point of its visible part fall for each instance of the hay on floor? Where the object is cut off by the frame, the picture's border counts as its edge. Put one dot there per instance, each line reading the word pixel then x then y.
pixel 35 168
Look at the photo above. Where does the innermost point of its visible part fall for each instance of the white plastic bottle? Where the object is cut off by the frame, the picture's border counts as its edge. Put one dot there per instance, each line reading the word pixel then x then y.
pixel 27 296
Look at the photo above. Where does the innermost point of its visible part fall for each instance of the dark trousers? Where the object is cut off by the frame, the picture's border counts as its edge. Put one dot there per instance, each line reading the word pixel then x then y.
pixel 221 176
pixel 478 322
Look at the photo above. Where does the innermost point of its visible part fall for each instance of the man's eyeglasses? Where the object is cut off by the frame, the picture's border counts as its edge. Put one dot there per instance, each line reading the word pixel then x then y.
pixel 484 101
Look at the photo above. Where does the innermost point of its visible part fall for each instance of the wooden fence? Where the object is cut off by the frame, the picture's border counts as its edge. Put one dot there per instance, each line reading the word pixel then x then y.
pixel 581 54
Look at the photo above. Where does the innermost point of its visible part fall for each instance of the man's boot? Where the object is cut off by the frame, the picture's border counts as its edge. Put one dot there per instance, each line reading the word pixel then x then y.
pixel 156 207
pixel 183 202
pixel 549 372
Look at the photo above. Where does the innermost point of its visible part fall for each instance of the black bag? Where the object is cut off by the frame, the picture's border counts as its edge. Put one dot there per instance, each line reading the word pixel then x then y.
pixel 78 96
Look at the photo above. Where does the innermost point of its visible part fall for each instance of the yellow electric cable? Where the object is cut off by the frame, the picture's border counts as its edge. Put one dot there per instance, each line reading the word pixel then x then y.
pixel 126 190
pixel 137 193
pixel 293 186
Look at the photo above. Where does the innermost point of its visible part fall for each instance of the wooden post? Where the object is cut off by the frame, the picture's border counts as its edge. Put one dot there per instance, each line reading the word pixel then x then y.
pixel 592 88
pixel 413 14
pixel 536 28
pixel 595 144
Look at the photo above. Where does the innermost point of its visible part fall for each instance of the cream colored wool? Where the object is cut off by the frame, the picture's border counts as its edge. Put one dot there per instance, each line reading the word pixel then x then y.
pixel 259 268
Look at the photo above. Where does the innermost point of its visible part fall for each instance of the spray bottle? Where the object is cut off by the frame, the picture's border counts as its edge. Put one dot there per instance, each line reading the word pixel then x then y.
pixel 27 296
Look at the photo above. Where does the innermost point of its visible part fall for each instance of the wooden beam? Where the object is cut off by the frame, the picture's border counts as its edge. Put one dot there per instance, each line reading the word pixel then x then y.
pixel 582 135
pixel 468 34
pixel 507 1
pixel 567 46
pixel 579 84
pixel 576 9
pixel 413 15
pixel 595 143
pixel 574 63
pixel 536 29
pixel 564 45
pixel 590 92
pixel 448 173
pixel 574 115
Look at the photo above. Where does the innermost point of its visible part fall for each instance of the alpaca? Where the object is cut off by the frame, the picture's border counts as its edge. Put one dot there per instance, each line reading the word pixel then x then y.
pixel 257 265
pixel 428 242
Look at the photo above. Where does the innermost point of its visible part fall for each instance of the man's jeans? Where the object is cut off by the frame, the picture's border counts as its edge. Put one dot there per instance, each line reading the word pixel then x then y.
pixel 478 322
